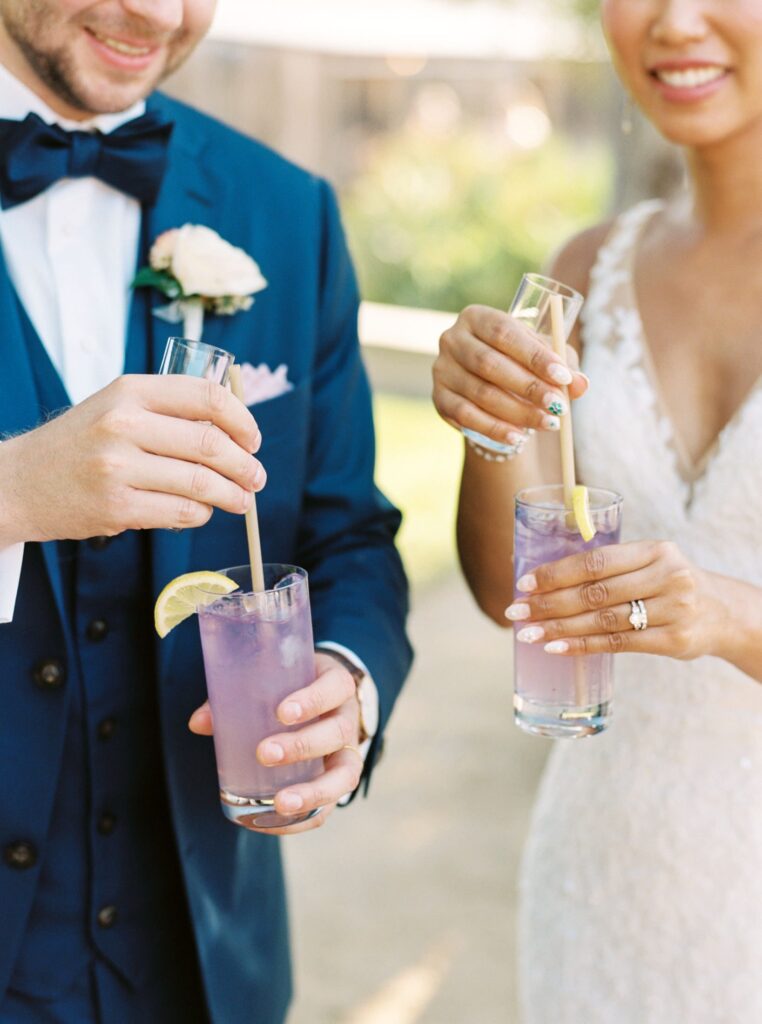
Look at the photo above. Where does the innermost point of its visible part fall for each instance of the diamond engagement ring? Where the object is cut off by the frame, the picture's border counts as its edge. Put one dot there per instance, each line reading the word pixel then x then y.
pixel 639 616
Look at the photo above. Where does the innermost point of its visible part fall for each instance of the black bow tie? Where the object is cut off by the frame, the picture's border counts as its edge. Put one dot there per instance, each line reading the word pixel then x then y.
pixel 35 155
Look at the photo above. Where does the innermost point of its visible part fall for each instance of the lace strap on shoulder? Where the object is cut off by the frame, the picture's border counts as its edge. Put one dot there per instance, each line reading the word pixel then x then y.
pixel 612 269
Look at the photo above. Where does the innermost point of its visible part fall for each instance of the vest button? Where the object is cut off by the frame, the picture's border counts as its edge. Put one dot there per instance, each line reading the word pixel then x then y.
pixel 96 630
pixel 50 675
pixel 106 728
pixel 20 855
pixel 107 917
pixel 99 543
pixel 106 823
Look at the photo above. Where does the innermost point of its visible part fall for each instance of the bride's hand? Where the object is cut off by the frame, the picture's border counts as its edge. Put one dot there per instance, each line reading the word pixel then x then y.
pixel 581 604
pixel 497 377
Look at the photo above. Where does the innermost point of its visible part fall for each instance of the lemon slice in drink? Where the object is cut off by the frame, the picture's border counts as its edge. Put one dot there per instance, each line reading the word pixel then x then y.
pixel 184 594
pixel 581 510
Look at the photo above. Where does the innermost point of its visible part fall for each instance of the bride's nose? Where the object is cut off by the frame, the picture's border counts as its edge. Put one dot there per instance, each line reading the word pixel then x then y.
pixel 678 22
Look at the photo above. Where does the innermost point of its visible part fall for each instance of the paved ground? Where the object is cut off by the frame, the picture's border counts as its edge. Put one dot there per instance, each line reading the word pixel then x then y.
pixel 403 909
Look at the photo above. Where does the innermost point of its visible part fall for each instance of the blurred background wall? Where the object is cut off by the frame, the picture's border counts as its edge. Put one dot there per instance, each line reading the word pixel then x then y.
pixel 467 140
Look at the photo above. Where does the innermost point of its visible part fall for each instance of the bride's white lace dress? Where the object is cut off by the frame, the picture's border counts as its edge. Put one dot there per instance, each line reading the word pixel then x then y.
pixel 641 887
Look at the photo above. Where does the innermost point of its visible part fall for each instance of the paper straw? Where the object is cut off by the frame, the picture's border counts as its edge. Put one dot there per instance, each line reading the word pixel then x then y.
pixel 568 471
pixel 558 335
pixel 252 523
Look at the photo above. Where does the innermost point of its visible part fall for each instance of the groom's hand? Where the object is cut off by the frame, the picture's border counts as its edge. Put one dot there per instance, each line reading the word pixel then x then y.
pixel 329 713
pixel 145 452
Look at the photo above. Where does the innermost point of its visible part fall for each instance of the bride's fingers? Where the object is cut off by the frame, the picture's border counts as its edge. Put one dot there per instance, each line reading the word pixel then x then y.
pixel 590 597
pixel 503 404
pixel 461 413
pixel 605 620
pixel 648 641
pixel 492 370
pixel 581 381
pixel 501 333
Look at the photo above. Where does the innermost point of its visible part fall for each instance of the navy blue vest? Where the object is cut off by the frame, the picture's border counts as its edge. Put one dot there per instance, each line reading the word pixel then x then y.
pixel 110 884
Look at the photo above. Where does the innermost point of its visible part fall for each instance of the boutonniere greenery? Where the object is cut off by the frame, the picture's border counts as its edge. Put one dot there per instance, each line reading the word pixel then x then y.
pixel 199 272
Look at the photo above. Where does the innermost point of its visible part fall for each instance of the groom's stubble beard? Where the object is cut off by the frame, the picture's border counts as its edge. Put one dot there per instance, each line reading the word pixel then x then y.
pixel 28 25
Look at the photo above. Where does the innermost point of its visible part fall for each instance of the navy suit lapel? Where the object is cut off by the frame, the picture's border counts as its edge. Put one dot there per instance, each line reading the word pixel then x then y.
pixel 188 196
pixel 19 401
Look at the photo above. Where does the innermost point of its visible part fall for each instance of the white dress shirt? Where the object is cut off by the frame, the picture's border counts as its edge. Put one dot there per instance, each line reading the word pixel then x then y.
pixel 70 254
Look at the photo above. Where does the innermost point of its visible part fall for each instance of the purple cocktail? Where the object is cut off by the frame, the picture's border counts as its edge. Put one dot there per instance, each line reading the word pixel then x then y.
pixel 257 650
pixel 560 696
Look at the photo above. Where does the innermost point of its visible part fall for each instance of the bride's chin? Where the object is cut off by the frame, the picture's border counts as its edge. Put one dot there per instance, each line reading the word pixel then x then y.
pixel 699 133
pixel 691 137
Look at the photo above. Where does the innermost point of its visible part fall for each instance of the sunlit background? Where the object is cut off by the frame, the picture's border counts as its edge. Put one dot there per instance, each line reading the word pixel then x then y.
pixel 467 140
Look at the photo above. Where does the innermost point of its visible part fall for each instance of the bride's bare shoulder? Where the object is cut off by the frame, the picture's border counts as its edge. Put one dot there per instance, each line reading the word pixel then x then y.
pixel 573 262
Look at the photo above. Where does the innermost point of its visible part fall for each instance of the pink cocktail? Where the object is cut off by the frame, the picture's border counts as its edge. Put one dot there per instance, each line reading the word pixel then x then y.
pixel 553 695
pixel 257 650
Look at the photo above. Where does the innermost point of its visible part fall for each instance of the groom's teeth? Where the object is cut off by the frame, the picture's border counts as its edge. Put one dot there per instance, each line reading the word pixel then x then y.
pixel 131 51
pixel 691 77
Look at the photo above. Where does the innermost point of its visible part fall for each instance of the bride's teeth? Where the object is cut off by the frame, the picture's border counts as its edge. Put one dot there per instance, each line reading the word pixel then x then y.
pixel 690 78
pixel 131 51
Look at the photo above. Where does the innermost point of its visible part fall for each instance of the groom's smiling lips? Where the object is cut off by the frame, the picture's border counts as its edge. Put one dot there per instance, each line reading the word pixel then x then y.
pixel 123 52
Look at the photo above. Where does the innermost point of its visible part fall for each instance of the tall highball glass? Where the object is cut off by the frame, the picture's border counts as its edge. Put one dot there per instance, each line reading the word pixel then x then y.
pixel 553 695
pixel 257 650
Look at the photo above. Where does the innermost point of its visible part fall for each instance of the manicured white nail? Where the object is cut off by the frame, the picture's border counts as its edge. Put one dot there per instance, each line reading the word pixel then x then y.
pixel 559 373
pixel 527 583
pixel 556 647
pixel 552 423
pixel 530 634
pixel 516 612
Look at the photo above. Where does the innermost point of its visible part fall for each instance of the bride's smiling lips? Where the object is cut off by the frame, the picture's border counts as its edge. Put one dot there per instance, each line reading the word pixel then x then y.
pixel 123 53
pixel 688 81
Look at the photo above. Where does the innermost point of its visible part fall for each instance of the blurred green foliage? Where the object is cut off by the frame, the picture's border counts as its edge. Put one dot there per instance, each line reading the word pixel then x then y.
pixel 444 221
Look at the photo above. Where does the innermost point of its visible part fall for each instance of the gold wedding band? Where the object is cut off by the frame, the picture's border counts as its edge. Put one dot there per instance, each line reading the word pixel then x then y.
pixel 348 746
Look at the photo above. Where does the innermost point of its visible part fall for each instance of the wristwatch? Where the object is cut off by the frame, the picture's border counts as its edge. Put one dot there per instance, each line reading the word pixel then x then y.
pixel 368 706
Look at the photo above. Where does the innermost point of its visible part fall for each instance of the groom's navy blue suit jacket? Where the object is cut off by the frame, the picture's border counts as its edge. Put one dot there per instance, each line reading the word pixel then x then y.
pixel 320 509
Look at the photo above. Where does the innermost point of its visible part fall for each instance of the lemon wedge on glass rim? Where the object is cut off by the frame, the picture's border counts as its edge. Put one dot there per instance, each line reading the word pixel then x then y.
pixel 184 594
pixel 581 511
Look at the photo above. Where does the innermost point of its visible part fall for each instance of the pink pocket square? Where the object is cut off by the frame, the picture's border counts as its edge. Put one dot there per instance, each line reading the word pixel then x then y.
pixel 261 383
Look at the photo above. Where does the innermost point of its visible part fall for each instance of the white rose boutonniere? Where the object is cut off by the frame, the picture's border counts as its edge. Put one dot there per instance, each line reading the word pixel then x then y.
pixel 199 272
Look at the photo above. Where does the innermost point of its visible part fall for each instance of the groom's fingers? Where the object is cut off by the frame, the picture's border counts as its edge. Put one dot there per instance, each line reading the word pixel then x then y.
pixel 203 443
pixel 200 721
pixel 192 398
pixel 318 739
pixel 151 510
pixel 343 772
pixel 332 687
pixel 189 480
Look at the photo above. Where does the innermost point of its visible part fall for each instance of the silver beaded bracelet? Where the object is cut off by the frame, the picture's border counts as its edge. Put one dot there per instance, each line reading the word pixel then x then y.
pixel 508 453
